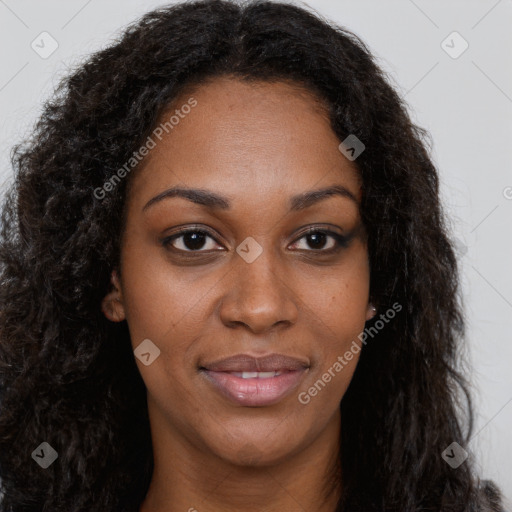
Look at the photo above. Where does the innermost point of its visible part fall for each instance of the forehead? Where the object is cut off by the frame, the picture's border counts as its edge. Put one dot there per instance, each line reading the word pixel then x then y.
pixel 246 139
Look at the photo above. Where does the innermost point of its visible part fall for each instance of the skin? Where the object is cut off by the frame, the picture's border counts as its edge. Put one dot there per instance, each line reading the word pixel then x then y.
pixel 258 144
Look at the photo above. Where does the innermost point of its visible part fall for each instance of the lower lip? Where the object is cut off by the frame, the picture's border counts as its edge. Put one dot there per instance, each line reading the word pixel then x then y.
pixel 255 392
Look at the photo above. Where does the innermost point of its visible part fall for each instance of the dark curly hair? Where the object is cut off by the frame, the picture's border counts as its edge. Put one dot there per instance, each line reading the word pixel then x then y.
pixel 68 375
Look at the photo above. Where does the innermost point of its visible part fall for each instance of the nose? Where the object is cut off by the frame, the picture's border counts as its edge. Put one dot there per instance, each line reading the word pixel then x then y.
pixel 259 295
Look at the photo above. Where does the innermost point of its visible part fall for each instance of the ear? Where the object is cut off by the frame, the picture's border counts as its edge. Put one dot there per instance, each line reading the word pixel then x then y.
pixel 112 303
pixel 371 311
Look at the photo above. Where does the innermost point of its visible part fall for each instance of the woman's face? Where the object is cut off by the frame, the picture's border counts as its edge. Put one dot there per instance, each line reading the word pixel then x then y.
pixel 247 280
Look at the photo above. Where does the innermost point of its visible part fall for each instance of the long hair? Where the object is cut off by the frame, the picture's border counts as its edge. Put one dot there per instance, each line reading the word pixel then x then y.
pixel 68 376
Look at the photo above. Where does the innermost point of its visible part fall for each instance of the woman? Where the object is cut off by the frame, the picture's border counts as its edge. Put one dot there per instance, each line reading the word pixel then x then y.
pixel 227 282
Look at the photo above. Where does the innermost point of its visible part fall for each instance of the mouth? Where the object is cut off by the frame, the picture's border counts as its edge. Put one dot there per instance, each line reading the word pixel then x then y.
pixel 255 382
pixel 255 389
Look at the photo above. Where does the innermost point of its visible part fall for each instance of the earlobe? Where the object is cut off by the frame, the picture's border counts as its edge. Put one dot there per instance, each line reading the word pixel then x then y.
pixel 371 311
pixel 112 303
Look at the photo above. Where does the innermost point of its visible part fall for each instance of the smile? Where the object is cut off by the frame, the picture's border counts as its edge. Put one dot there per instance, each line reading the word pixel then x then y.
pixel 255 389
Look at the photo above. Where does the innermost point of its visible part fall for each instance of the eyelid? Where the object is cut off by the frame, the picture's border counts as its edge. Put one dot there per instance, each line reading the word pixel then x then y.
pixel 324 228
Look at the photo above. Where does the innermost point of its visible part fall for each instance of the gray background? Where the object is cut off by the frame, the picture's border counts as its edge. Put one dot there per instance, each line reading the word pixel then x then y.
pixel 465 103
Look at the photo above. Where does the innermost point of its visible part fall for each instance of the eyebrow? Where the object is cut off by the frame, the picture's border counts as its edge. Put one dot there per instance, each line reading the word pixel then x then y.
pixel 213 200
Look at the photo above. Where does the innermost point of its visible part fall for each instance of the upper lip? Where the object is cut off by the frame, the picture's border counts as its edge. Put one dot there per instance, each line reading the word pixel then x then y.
pixel 248 363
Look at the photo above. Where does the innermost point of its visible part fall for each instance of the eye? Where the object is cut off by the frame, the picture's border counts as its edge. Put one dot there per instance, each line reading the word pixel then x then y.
pixel 192 240
pixel 196 240
pixel 317 240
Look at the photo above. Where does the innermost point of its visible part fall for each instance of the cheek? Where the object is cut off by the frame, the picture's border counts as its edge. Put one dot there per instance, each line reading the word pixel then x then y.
pixel 167 306
pixel 160 298
pixel 339 301
pixel 161 306
pixel 338 311
pixel 335 361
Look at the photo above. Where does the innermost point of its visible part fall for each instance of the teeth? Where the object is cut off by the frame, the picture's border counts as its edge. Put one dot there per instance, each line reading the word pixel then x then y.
pixel 256 375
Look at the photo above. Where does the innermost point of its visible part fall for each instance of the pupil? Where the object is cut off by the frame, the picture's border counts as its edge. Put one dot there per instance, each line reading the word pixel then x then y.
pixel 316 237
pixel 194 241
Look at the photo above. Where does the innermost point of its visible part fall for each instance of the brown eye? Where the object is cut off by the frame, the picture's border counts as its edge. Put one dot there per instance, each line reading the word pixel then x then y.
pixel 191 240
pixel 319 240
pixel 324 242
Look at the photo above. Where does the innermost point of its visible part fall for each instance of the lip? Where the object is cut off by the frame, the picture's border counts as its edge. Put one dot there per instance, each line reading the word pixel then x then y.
pixel 248 363
pixel 255 392
pixel 224 375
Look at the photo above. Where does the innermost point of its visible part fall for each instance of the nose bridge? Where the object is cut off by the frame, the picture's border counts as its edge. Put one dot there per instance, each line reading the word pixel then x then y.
pixel 258 295
pixel 260 269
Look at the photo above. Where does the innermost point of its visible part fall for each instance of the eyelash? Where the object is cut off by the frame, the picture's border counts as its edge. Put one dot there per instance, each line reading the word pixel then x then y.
pixel 340 240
